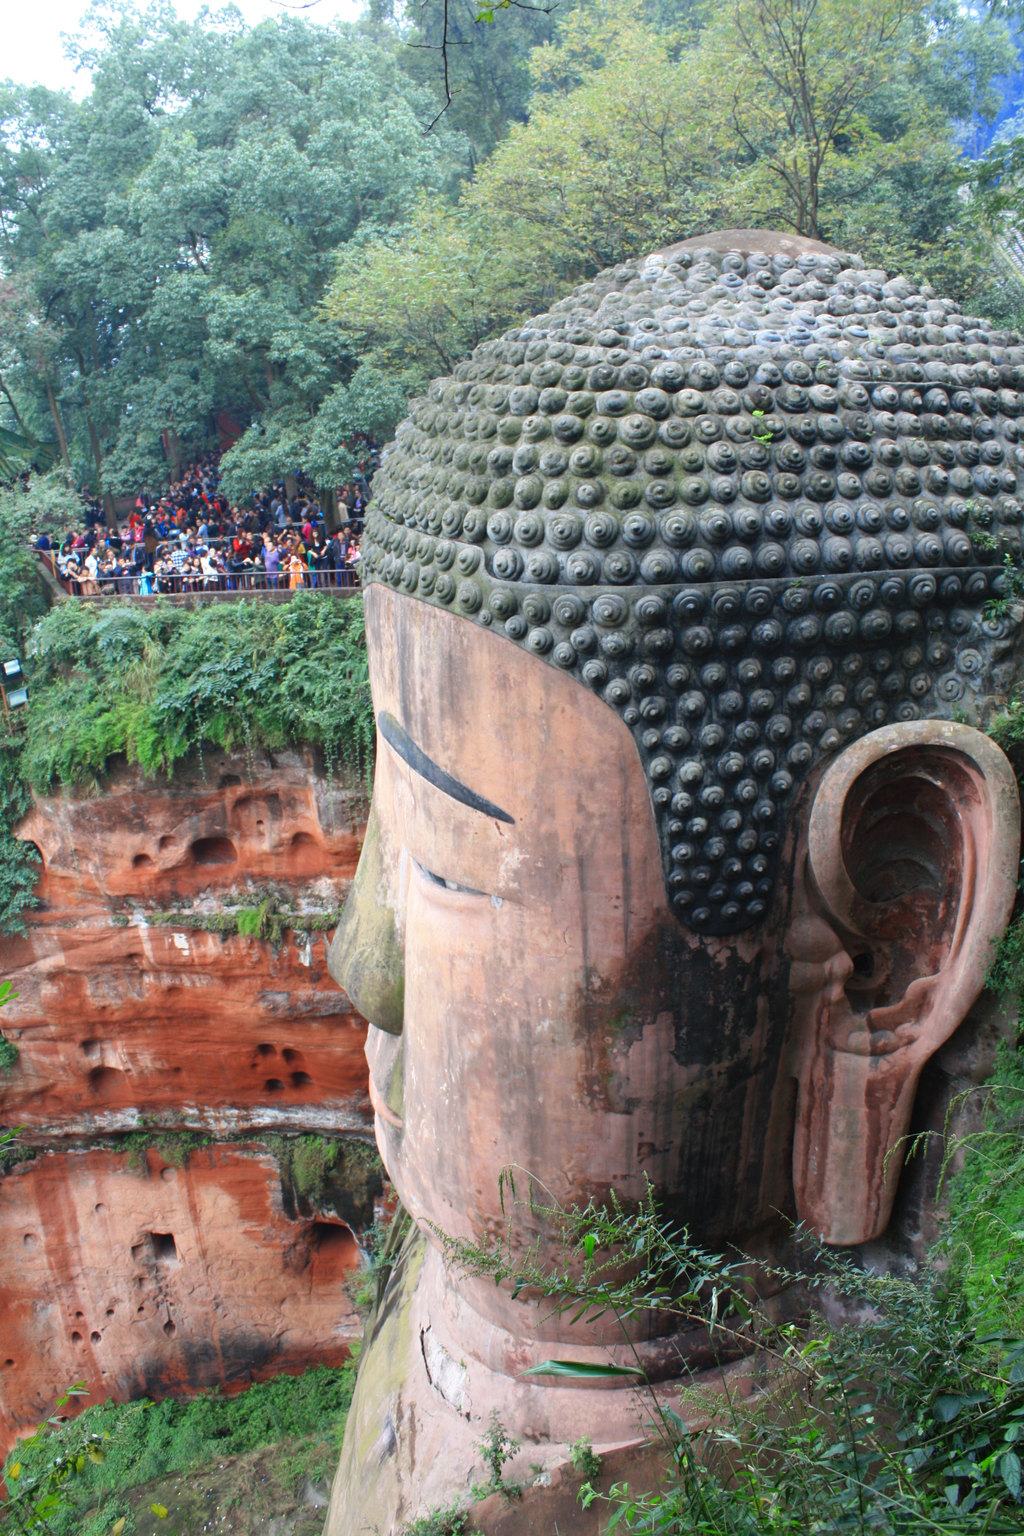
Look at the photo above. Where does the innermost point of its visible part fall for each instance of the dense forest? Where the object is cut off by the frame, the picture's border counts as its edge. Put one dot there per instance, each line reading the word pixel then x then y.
pixel 270 231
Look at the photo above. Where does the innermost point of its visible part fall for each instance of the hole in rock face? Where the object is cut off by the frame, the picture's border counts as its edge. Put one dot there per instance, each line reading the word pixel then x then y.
pixel 165 1249
pixel 302 840
pixel 110 1311
pixel 95 1338
pixel 290 1055
pixel 267 1050
pixel 104 1080
pixel 30 1240
pixel 90 1048
pixel 170 1329
pixel 214 850
pixel 99 1210
pixel 168 1175
pixel 333 1249
pixel 76 1337
pixel 142 861
pixel 301 1080
pixel 8 1362
pixel 274 1085
pixel 158 1246
pixel 228 781
pixel 166 843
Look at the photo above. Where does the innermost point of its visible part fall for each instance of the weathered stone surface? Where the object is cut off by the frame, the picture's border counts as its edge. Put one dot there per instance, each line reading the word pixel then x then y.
pixel 684 860
pixel 211 1273
pixel 755 497
pixel 117 1022
pixel 164 1280
pixel 884 967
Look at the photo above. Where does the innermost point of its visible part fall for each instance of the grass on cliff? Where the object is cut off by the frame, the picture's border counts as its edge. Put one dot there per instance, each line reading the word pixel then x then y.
pixel 156 687
pixel 173 1452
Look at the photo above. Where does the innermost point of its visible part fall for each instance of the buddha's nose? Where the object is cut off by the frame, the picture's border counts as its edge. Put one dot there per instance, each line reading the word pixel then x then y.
pixel 366 955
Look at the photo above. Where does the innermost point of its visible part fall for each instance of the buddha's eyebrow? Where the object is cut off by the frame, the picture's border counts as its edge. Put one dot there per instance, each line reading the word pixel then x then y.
pixel 434 774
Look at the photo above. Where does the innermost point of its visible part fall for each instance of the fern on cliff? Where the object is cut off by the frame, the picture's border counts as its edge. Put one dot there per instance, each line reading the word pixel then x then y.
pixel 19 861
pixel 155 688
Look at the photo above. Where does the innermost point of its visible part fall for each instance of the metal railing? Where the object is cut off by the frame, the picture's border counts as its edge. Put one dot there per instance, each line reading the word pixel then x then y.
pixel 181 580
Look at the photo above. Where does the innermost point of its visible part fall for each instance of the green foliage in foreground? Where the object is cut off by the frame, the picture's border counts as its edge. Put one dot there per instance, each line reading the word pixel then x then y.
pixel 160 686
pixel 23 599
pixel 985 1238
pixel 908 1418
pixel 135 1443
pixel 9 1052
pixel 440 1522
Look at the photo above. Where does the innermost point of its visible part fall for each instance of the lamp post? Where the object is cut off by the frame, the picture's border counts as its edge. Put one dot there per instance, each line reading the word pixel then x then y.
pixel 13 692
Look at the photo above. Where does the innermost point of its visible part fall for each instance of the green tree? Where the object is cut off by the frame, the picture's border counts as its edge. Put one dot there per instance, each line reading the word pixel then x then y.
pixel 830 117
pixel 168 240
pixel 485 61
pixel 417 300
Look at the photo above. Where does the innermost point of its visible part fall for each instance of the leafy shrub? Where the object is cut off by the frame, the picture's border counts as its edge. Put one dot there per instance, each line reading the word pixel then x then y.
pixel 157 687
pixel 982 1239
pixel 439 1522
pixel 142 1441
pixel 908 1419
pixel 583 1459
pixel 19 861
pixel 173 1145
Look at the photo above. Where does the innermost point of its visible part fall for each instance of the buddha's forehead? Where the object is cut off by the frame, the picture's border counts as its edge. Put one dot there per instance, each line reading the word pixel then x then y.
pixel 757 499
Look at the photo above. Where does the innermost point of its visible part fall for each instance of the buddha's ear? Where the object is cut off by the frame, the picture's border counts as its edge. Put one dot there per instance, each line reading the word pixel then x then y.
pixel 909 877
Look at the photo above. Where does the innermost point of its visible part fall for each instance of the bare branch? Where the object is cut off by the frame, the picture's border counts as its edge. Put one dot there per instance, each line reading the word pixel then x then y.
pixel 485 12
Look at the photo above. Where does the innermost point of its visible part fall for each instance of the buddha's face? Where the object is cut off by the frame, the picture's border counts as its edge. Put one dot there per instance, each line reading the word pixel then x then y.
pixel 537 1004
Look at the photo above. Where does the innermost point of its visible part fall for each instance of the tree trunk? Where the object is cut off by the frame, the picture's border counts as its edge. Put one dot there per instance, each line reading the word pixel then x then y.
pixel 97 453
pixel 58 426
pixel 172 447
pixel 329 507
pixel 17 414
pixel 291 487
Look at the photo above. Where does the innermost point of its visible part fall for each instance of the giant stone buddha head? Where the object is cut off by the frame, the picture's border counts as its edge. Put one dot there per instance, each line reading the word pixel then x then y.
pixel 682 601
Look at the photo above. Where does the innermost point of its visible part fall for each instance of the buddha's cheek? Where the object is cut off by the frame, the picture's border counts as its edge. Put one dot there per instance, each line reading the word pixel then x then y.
pixel 513 1054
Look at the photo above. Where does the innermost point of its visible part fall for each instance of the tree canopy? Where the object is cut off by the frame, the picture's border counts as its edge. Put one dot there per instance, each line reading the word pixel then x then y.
pixel 250 226
pixel 167 241
pixel 839 119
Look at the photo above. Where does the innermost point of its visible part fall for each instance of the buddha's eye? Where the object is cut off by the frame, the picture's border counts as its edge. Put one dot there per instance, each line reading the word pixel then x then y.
pixel 446 885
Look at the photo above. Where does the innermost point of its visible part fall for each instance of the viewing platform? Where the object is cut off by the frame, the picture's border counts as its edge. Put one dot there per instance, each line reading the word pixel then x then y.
pixel 187 590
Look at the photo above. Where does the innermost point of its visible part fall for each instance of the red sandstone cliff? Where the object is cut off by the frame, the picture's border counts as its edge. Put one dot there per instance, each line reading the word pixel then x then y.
pixel 159 1281
pixel 187 1277
pixel 116 1022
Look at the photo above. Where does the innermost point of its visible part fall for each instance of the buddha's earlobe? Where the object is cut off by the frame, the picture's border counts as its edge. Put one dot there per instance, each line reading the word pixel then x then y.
pixel 908 879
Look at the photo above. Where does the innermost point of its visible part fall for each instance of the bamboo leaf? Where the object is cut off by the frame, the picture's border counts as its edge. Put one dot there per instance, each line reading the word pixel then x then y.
pixel 580 1369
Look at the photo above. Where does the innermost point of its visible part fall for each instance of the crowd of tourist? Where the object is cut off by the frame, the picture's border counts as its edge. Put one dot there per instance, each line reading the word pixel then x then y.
pixel 192 539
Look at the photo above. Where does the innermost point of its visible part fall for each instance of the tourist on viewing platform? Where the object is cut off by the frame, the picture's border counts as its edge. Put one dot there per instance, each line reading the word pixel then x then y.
pixel 271 560
pixel 211 567
pixel 316 555
pixel 90 566
pixel 188 537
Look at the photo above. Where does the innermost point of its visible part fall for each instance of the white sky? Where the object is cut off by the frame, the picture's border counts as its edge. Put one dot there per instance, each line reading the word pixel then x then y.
pixel 32 52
